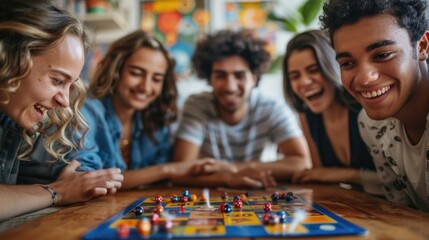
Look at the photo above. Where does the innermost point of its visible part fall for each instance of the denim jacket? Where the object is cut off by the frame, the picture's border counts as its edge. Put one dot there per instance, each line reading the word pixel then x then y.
pixel 10 141
pixel 102 149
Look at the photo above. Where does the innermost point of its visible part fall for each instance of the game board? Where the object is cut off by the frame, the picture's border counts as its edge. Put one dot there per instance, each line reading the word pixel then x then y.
pixel 196 220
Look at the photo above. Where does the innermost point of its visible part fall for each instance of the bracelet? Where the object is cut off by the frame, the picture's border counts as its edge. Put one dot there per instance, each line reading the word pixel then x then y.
pixel 52 192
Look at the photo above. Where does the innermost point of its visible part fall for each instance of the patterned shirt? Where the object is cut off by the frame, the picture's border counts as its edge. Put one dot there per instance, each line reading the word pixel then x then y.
pixel 403 167
pixel 267 121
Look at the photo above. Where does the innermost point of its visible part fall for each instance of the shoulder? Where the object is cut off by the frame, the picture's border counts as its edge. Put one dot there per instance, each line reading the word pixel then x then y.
pixel 375 129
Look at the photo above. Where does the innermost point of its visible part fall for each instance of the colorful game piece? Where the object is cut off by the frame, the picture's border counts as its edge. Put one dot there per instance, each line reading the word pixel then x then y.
pixel 182 210
pixel 184 199
pixel 266 218
pixel 174 198
pixel 282 216
pixel 275 197
pixel 138 211
pixel 158 209
pixel 238 204
pixel 282 196
pixel 236 198
pixel 143 227
pixel 273 219
pixel 158 199
pixel 289 197
pixel 123 230
pixel 186 193
pixel 268 207
pixel 154 219
pixel 224 196
pixel 222 207
pixel 227 208
pixel 193 198
pixel 243 197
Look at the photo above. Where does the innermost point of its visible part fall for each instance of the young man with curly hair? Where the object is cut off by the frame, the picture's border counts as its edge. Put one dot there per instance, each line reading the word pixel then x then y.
pixel 235 121
pixel 382 47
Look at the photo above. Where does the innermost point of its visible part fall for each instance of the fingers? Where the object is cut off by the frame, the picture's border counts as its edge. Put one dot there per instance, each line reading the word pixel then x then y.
pixel 249 182
pixel 70 168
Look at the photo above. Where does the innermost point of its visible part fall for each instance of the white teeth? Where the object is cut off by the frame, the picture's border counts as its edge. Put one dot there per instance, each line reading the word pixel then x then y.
pixel 312 92
pixel 40 108
pixel 375 93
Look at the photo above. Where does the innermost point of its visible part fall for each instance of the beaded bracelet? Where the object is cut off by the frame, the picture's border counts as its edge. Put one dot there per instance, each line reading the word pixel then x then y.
pixel 52 192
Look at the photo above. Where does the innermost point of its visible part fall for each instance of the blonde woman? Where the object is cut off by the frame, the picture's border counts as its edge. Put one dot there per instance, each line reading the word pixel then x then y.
pixel 42 53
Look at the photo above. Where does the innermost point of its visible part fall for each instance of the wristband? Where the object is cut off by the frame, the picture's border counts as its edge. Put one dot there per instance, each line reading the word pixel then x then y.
pixel 52 192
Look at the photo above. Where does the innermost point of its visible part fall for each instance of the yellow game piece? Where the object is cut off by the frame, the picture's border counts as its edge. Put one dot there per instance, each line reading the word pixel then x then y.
pixel 243 197
pixel 193 198
pixel 158 209
pixel 143 227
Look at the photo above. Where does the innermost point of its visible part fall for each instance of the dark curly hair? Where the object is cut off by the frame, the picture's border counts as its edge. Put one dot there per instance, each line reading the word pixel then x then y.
pixel 318 42
pixel 410 14
pixel 228 43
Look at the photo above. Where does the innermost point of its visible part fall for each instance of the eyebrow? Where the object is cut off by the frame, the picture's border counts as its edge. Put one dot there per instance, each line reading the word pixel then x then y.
pixel 66 75
pixel 369 48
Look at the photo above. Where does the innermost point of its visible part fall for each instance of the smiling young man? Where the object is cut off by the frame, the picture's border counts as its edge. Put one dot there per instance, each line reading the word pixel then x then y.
pixel 387 72
pixel 235 121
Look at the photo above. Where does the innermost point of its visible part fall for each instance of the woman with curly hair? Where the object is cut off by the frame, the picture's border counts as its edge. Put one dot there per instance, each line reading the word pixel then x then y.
pixel 42 50
pixel 131 104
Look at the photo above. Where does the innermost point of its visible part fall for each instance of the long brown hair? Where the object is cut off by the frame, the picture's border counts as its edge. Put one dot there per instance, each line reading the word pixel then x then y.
pixel 163 110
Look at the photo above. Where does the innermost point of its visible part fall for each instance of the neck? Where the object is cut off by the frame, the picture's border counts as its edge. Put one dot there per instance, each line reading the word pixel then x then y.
pixel 334 112
pixel 233 117
pixel 124 114
pixel 413 114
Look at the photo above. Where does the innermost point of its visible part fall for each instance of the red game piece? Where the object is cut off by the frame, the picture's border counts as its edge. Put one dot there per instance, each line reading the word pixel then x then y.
pixel 268 207
pixel 266 218
pixel 222 207
pixel 123 230
pixel 154 219
pixel 158 199
pixel 181 208
pixel 184 199
pixel 238 204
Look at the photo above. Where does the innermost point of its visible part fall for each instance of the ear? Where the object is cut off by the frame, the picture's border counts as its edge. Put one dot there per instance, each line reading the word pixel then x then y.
pixel 423 47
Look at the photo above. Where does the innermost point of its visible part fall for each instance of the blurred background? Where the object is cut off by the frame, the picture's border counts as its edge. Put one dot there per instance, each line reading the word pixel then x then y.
pixel 180 23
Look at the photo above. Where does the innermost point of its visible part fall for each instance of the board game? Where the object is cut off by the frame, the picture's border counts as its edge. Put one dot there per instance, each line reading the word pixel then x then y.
pixel 262 215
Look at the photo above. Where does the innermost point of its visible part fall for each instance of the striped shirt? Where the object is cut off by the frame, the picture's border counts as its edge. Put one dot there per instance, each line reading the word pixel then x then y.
pixel 266 122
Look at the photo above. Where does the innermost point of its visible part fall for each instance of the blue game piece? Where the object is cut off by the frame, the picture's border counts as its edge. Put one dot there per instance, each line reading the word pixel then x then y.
pixel 275 197
pixel 186 193
pixel 282 216
pixel 227 208
pixel 289 197
pixel 236 198
pixel 138 211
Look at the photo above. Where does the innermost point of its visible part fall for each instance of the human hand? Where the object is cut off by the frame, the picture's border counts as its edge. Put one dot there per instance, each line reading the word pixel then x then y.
pixel 250 177
pixel 199 167
pixel 73 186
pixel 326 175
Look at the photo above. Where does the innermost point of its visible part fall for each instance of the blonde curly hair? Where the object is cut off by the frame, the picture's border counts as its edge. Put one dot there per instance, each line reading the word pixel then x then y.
pixel 28 29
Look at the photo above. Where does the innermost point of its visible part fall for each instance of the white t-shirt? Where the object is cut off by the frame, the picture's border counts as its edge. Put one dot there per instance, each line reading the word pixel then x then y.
pixel 267 121
pixel 402 167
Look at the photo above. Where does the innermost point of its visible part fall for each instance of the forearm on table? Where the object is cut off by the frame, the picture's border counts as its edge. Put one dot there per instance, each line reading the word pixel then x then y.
pixel 147 175
pixel 16 200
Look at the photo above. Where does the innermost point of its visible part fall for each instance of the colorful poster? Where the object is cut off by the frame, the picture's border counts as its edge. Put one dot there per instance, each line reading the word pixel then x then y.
pixel 177 23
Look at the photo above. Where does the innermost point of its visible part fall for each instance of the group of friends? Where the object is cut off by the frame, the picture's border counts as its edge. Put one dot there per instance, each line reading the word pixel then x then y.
pixel 357 112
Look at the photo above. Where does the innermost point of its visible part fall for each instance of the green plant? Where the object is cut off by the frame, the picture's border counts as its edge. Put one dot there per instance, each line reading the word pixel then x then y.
pixel 294 21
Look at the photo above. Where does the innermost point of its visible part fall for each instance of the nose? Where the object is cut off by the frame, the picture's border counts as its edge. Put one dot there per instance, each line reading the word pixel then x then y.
pixel 231 84
pixel 63 97
pixel 366 73
pixel 145 84
pixel 305 80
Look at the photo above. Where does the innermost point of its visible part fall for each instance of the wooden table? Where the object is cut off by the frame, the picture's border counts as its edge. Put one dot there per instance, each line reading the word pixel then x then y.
pixel 382 219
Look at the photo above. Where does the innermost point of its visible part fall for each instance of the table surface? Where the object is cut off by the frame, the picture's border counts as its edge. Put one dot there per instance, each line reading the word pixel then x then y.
pixel 383 220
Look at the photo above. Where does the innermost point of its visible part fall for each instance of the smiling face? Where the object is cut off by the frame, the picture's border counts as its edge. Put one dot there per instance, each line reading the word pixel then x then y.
pixel 381 69
pixel 48 84
pixel 142 78
pixel 307 81
pixel 232 82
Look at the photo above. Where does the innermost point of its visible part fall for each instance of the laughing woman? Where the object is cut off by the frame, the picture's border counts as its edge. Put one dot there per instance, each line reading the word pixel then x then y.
pixel 328 116
pixel 131 105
